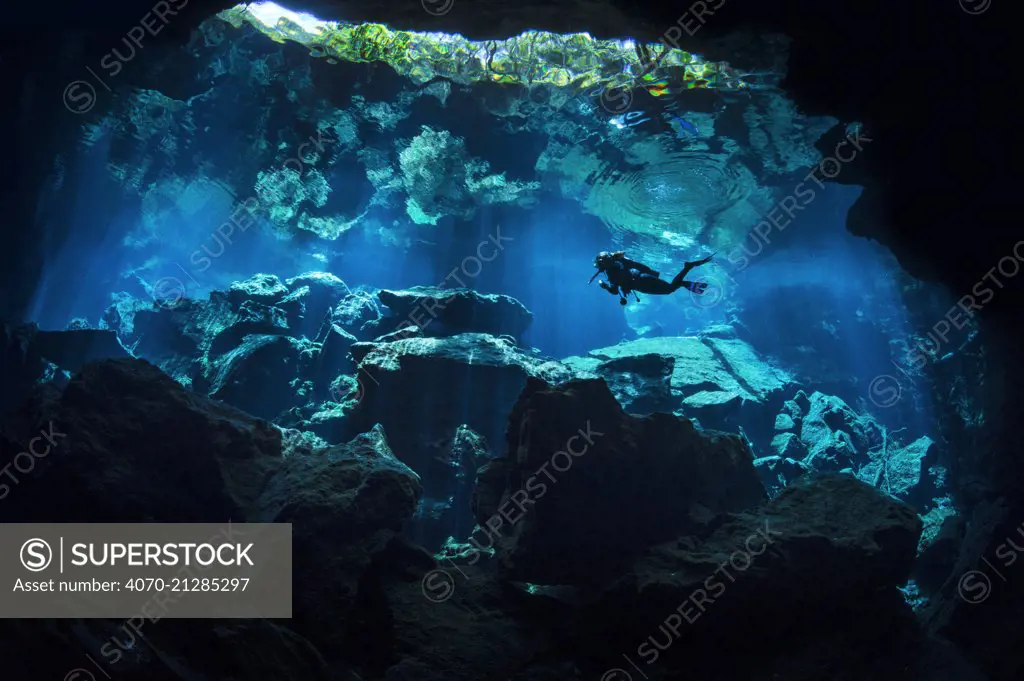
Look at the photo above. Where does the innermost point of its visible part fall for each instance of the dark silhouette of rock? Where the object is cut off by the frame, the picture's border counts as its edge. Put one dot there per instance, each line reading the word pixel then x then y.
pixel 978 606
pixel 132 445
pixel 136 445
pixel 29 355
pixel 345 503
pixel 819 561
pixel 939 548
pixel 74 348
pixel 260 375
pixel 586 487
pixel 473 379
pixel 449 473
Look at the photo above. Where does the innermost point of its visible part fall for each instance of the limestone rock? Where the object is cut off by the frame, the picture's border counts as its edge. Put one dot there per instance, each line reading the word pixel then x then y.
pixel 440 311
pixel 586 515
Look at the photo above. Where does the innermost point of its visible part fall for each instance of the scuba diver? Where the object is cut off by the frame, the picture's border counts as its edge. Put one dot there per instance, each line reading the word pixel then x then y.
pixel 627 276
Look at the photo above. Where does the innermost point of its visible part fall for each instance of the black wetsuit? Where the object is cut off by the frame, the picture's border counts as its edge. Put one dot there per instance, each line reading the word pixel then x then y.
pixel 627 276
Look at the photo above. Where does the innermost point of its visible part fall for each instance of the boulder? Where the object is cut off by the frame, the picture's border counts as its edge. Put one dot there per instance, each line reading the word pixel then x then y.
pixel 175 338
pixel 778 471
pixel 939 547
pixel 132 445
pixel 755 374
pixel 903 471
pixel 447 312
pixel 978 608
pixel 345 503
pixel 642 383
pixel 262 288
pixel 789 446
pixel 695 368
pixel 135 445
pixel 161 650
pixel 358 314
pixel 262 375
pixel 835 436
pixel 784 423
pixel 318 294
pixel 720 381
pixel 474 380
pixel 824 559
pixel 582 481
pixel 74 348
pixel 251 318
pixel 29 356
pixel 832 539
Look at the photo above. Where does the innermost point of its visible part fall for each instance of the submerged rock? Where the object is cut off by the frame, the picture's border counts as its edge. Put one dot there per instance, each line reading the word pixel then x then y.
pixel 262 288
pixel 29 356
pixel 250 346
pixel 721 382
pixel 474 380
pixel 939 548
pixel 132 445
pixel 830 536
pixel 788 445
pixel 137 446
pixel 358 313
pixel 778 471
pixel 334 357
pixel 824 558
pixel 73 348
pixel 437 311
pixel 836 436
pixel 261 375
pixel 642 383
pixel 449 472
pixel 318 293
pixel 585 487
pixel 902 470
pixel 345 504
pixel 252 318
pixel 784 423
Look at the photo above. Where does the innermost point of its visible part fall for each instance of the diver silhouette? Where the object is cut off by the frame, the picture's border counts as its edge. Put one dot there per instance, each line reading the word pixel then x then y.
pixel 627 276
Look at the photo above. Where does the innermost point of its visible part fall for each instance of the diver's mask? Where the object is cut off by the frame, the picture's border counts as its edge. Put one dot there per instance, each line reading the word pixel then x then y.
pixel 603 259
pixel 601 262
